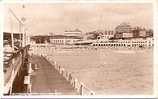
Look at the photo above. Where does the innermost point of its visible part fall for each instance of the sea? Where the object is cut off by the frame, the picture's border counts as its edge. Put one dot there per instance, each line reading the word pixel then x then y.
pixel 110 71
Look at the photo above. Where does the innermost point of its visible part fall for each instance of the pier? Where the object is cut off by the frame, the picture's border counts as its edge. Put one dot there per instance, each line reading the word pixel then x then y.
pixel 48 80
pixel 51 58
pixel 27 72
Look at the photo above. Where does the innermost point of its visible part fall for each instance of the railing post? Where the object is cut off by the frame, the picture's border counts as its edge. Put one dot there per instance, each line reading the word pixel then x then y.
pixel 55 63
pixel 67 76
pixel 70 77
pixel 92 93
pixel 10 91
pixel 75 83
pixel 59 69
pixel 62 72
pixel 36 67
pixel 81 89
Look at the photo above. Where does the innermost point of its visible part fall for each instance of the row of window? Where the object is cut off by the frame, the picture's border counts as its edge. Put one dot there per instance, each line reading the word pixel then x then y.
pixel 124 41
pixel 108 33
pixel 62 41
pixel 125 45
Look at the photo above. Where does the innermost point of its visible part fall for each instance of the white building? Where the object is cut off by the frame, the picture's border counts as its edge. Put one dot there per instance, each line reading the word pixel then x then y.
pixel 63 40
pixel 135 43
pixel 106 35
pixel 142 33
pixel 127 35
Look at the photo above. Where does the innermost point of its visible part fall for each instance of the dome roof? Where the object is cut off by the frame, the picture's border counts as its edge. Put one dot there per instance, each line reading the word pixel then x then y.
pixel 123 27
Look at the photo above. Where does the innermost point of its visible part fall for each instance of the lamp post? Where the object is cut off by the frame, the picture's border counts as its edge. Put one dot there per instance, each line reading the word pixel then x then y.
pixel 23 31
pixel 23 19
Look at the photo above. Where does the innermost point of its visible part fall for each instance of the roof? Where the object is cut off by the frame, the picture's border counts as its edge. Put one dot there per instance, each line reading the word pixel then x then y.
pixel 11 33
pixel 64 37
pixel 123 25
pixel 76 30
pixel 55 37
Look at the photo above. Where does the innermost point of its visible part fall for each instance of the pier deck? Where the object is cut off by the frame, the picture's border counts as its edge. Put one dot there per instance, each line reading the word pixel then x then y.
pixel 48 80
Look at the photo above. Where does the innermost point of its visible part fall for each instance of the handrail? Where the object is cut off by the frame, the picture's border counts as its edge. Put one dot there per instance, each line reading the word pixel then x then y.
pixel 15 54
pixel 14 62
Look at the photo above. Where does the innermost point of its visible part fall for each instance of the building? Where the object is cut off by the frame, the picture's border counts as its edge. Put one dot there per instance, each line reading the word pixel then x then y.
pixel 126 43
pixel 106 35
pixel 142 33
pixel 40 39
pixel 127 35
pixel 64 40
pixel 123 30
pixel 139 32
pixel 91 35
pixel 135 32
pixel 149 33
pixel 75 32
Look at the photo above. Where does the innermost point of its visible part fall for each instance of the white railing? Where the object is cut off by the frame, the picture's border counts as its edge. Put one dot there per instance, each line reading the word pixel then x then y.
pixel 77 85
pixel 41 49
pixel 46 51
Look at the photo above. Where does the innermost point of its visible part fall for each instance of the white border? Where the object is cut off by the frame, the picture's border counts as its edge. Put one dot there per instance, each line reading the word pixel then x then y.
pixel 155 48
pixel 79 1
pixel 1 50
pixel 155 67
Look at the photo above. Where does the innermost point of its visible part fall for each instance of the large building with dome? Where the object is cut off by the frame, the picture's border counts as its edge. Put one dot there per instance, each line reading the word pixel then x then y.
pixel 124 30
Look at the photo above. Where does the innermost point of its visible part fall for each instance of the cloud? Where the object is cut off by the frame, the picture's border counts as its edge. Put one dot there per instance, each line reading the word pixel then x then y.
pixel 45 18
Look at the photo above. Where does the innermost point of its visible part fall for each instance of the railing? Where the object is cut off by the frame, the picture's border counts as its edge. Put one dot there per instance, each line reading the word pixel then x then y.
pixel 41 49
pixel 77 85
pixel 12 66
pixel 46 50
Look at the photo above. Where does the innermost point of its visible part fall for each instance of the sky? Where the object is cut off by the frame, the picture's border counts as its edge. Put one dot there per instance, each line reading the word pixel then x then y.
pixel 58 17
